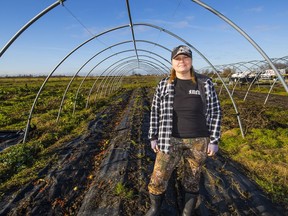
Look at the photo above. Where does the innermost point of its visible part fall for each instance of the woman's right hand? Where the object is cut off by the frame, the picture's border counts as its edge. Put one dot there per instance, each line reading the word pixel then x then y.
pixel 154 146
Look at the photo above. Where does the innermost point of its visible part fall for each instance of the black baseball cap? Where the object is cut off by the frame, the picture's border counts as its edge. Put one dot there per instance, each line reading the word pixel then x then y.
pixel 182 49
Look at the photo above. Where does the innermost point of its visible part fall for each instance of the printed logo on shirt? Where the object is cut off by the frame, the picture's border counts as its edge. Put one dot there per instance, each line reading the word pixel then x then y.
pixel 194 92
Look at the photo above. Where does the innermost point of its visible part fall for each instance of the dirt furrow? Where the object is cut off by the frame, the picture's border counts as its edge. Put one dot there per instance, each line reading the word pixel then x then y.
pixel 230 192
pixel 60 187
pixel 103 197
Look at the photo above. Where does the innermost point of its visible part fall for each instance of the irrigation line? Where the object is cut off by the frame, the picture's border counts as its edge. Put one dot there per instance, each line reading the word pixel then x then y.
pixel 70 12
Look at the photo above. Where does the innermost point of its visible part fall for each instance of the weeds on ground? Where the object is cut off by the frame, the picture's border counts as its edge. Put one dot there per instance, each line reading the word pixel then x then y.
pixel 20 163
pixel 264 153
pixel 264 149
pixel 122 191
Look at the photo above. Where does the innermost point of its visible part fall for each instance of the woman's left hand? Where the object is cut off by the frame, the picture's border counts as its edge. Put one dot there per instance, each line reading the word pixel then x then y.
pixel 154 146
pixel 212 149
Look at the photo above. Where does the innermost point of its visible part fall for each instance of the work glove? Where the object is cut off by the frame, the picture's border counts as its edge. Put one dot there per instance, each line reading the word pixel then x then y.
pixel 212 149
pixel 154 146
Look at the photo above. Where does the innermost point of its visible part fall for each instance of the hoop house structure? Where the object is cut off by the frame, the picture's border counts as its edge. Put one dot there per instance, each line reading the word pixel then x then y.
pixel 121 57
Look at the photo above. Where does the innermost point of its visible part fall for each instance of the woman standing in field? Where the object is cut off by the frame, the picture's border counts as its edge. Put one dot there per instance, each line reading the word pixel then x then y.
pixel 185 122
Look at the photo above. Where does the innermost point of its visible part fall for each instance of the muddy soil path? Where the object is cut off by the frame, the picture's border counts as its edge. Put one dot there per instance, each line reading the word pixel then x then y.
pixel 106 172
pixel 280 101
pixel 10 137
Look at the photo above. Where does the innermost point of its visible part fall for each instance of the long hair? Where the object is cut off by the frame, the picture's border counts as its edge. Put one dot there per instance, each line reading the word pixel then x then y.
pixel 173 75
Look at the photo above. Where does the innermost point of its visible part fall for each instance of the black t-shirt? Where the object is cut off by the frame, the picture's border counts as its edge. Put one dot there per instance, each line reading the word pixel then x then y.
pixel 188 114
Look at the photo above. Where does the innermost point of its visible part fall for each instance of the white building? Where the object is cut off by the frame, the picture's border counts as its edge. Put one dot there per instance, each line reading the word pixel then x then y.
pixel 270 73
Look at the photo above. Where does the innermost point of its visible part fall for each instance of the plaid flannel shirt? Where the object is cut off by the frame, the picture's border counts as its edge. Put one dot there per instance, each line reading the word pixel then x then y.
pixel 161 118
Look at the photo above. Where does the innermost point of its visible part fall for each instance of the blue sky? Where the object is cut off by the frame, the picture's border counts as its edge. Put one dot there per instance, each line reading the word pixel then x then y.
pixel 45 43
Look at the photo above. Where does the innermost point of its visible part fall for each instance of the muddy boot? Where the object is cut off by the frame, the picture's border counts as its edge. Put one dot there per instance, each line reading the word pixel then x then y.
pixel 156 201
pixel 190 203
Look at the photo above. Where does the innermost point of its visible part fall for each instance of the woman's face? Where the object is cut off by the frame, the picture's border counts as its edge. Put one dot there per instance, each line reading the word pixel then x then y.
pixel 182 64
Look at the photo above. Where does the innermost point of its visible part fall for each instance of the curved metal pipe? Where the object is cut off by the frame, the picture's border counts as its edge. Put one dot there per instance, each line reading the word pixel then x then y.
pixel 253 81
pixel 47 78
pixel 132 29
pixel 113 86
pixel 151 64
pixel 126 62
pixel 100 84
pixel 106 69
pixel 78 90
pixel 125 68
pixel 252 42
pixel 209 63
pixel 145 24
pixel 29 23
pixel 68 86
pixel 270 90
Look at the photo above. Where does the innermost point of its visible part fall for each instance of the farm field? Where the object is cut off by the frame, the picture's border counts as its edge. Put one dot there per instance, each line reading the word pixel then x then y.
pixel 98 161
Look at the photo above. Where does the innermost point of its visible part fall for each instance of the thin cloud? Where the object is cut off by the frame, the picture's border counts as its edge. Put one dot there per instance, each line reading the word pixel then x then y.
pixel 142 28
pixel 185 24
pixel 149 10
pixel 266 28
pixel 122 14
pixel 176 24
pixel 53 48
pixel 190 18
pixel 222 27
pixel 258 9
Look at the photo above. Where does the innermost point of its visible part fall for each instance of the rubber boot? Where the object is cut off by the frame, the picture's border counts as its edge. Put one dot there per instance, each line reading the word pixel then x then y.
pixel 156 201
pixel 190 203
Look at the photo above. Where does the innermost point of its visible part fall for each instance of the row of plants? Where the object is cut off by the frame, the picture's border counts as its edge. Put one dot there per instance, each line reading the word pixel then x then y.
pixel 20 163
pixel 263 152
